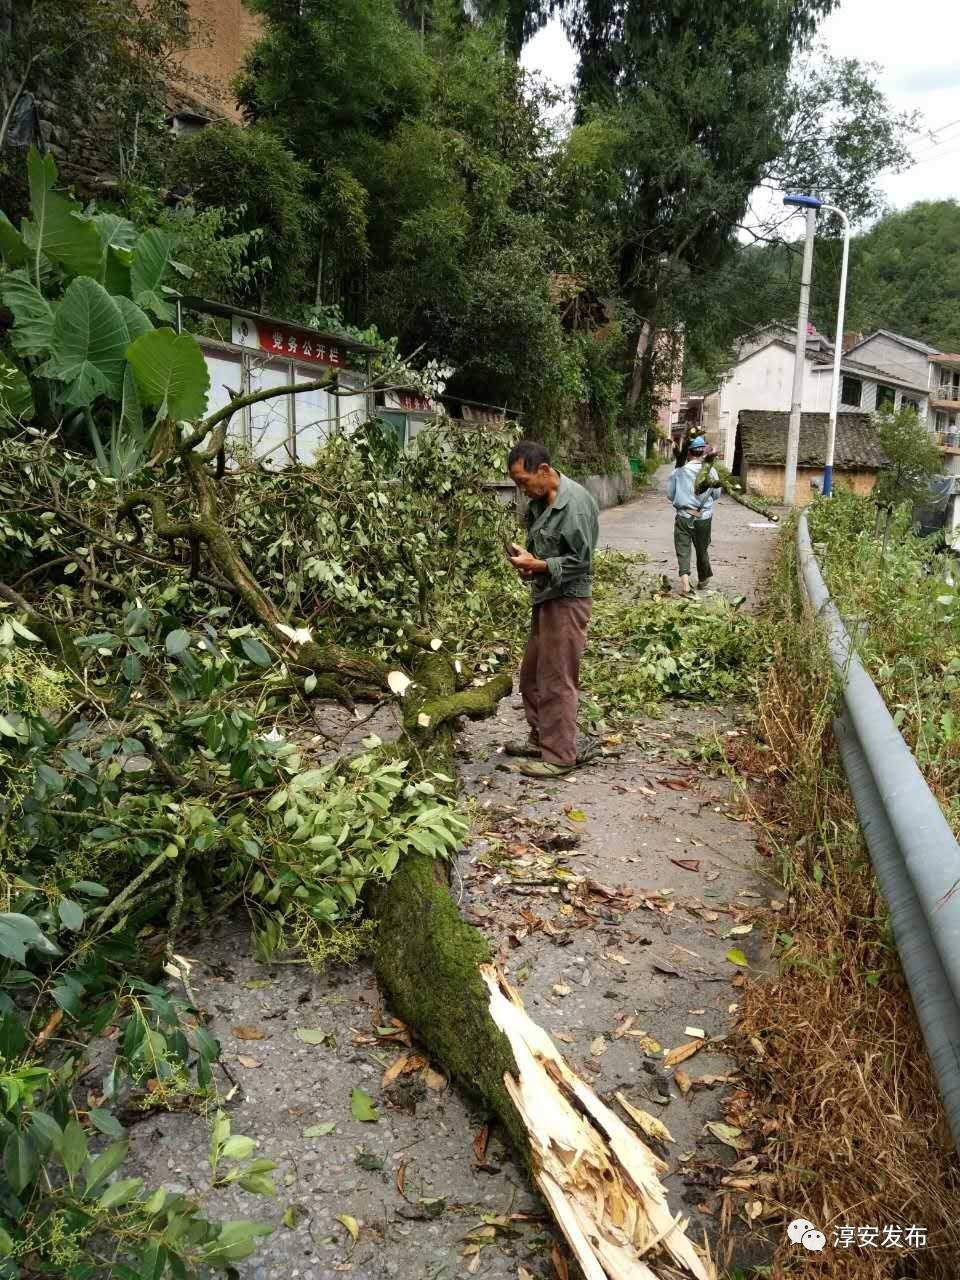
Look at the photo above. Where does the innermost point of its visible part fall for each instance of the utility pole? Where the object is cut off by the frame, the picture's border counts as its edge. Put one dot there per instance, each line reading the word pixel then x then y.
pixel 837 355
pixel 793 435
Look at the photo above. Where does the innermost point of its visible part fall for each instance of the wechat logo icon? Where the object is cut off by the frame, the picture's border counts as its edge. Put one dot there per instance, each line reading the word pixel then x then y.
pixel 800 1231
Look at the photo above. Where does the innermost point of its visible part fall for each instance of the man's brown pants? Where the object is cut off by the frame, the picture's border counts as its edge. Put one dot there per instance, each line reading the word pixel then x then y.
pixel 550 675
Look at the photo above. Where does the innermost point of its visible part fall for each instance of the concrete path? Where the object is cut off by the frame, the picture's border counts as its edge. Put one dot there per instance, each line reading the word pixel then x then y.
pixel 742 546
pixel 617 945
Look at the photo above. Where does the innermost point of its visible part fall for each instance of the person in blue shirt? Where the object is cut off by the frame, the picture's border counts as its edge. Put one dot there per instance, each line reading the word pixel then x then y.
pixel 694 514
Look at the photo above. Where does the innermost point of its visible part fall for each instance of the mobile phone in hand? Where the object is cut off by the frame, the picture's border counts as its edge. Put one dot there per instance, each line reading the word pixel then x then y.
pixel 510 549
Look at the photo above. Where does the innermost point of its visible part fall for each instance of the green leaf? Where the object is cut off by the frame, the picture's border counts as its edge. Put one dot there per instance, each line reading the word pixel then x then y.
pixel 255 651
pixel 259 1184
pixel 91 889
pixel 177 642
pixel 137 321
pixel 105 1164
pixel 171 373
pixel 115 233
pixel 237 1147
pixel 45 1132
pixel 58 229
pixel 71 914
pixel 13 247
pixel 236 1241
pixel 20 1160
pixel 320 1130
pixel 151 260
pixel 107 1123
pixel 88 344
pixel 74 1152
pixel 736 956
pixel 19 933
pixel 120 1192
pixel 32 334
pixel 361 1105
pixel 6 1244
pixel 310 1035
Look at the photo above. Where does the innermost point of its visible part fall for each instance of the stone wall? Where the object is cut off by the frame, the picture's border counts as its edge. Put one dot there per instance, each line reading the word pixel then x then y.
pixel 608 490
pixel 223 30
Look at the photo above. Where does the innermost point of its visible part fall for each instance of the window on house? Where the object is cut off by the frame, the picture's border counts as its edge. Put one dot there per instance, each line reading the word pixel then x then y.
pixel 851 392
pixel 181 17
pixel 886 397
pixel 906 403
pixel 941 422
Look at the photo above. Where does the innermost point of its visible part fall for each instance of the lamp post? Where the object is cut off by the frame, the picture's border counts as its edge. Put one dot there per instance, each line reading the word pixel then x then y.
pixel 800 354
pixel 812 204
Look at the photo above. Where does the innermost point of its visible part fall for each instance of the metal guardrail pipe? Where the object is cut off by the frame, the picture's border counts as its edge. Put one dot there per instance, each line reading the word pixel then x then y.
pixel 914 853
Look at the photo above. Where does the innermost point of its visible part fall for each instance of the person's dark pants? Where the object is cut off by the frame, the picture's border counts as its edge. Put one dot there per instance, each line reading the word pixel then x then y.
pixel 550 675
pixel 689 532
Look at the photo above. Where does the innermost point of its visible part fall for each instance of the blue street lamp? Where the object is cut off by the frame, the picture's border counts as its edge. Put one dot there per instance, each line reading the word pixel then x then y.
pixel 812 203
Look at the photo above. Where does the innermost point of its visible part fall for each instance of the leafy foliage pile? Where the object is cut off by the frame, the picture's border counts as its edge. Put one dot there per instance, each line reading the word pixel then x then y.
pixel 158 726
pixel 645 647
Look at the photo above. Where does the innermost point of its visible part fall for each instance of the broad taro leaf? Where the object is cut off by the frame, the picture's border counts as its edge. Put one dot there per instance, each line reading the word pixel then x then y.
pixel 58 229
pixel 118 237
pixel 16 397
pixel 151 260
pixel 137 321
pixel 116 272
pixel 32 334
pixel 13 247
pixel 171 373
pixel 88 343
pixel 131 412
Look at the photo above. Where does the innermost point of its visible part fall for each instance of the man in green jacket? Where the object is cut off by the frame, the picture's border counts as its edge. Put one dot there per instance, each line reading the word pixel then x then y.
pixel 563 528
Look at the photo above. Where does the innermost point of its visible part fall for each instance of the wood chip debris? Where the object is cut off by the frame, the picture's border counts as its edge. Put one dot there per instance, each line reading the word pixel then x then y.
pixel 598 1177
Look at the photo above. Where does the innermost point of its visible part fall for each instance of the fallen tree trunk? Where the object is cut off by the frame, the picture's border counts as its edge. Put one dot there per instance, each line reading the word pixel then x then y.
pixel 598 1178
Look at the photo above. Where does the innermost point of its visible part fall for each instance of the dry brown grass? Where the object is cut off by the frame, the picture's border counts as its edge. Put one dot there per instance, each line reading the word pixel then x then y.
pixel 860 1136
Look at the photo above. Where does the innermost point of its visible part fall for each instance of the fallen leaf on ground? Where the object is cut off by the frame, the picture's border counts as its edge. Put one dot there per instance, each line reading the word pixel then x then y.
pixel 565 1036
pixel 575 815
pixel 711 917
pixel 712 875
pixel 671 970
pixel 434 1079
pixel 480 1141
pixel 682 1081
pixel 645 1122
pixel 256 984
pixel 351 1224
pixel 682 1052
pixel 598 1047
pixel 561 989
pixel 249 1033
pixel 320 1130
pixel 649 1046
pixel 559 1264
pixel 310 1035
pixel 395 1069
pixel 736 956
pixel 246 1061
pixel 777 906
pixel 623 1028
pixel 675 784
pixel 291 1216
pixel 401 1179
pixel 728 1134
pixel 739 929
pixel 361 1105
pixel 688 864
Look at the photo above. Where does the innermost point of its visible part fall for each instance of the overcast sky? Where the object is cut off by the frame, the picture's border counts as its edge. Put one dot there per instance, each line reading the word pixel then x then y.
pixel 917 45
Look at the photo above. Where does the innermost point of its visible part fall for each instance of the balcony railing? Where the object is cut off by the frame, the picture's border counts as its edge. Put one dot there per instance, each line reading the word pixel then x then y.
pixel 945 391
pixel 948 439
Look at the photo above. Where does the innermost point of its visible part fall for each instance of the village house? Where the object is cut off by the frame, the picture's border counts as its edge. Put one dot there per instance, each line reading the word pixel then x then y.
pixel 882 371
pixel 760 453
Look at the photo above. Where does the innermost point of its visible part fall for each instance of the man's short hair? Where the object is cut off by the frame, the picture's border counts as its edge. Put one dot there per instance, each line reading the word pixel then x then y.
pixel 531 454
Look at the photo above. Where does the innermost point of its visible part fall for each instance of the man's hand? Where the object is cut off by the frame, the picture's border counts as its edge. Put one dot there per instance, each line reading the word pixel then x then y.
pixel 526 564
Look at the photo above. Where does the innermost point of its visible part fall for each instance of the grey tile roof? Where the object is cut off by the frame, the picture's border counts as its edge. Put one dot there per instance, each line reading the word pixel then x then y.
pixel 763 438
pixel 915 343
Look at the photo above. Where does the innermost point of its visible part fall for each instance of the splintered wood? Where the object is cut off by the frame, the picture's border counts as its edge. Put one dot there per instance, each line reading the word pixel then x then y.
pixel 599 1179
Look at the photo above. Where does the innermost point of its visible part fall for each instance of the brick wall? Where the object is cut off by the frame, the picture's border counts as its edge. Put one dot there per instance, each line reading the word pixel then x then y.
pixel 224 30
pixel 767 482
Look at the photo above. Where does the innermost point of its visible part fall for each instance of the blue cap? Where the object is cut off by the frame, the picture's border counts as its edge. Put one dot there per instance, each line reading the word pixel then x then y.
pixel 698 442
